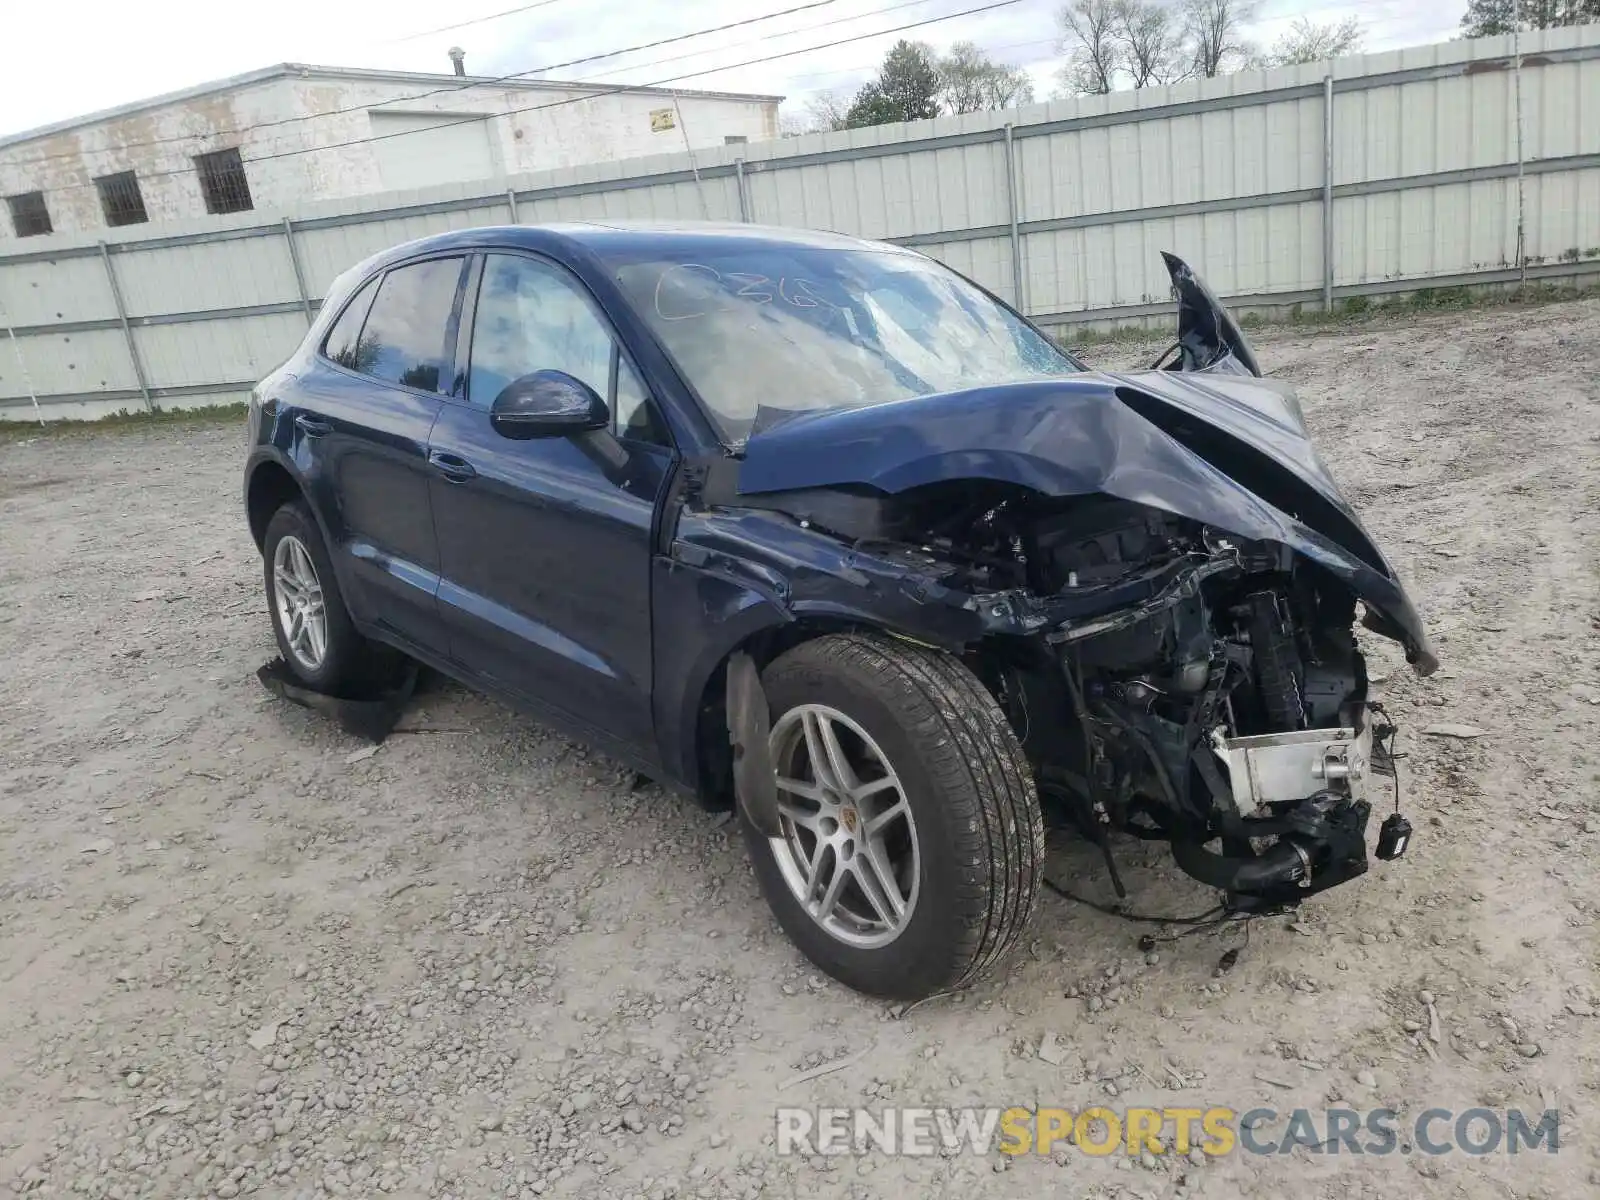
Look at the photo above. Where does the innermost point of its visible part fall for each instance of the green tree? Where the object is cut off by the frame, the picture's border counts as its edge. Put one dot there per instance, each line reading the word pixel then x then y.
pixel 871 107
pixel 906 89
pixel 971 81
pixel 1487 18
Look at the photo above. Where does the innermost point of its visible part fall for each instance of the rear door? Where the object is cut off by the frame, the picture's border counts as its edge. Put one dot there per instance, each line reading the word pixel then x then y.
pixel 545 545
pixel 368 411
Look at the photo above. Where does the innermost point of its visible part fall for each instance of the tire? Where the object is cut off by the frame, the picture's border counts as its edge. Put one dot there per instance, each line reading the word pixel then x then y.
pixel 348 661
pixel 976 830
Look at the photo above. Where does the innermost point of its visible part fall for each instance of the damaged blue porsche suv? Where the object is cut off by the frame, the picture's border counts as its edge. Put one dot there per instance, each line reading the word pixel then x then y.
pixel 817 528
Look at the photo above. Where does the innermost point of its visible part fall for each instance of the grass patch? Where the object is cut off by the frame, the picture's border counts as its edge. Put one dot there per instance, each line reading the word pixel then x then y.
pixel 1132 333
pixel 21 425
pixel 1356 309
pixel 1352 310
pixel 1447 298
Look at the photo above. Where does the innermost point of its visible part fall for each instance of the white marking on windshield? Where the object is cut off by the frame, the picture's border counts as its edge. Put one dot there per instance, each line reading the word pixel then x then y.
pixel 797 292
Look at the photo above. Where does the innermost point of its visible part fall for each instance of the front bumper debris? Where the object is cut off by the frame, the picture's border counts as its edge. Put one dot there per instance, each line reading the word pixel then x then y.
pixel 1302 796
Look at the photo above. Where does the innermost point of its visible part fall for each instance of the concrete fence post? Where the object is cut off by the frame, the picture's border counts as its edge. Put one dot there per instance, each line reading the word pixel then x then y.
pixel 1327 193
pixel 127 329
pixel 511 203
pixel 299 271
pixel 744 200
pixel 1018 296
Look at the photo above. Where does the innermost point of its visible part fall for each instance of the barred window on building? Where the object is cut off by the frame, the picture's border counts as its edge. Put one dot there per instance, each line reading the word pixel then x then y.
pixel 120 199
pixel 222 182
pixel 29 216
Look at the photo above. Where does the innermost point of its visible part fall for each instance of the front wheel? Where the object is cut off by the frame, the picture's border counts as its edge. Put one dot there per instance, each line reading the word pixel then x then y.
pixel 912 838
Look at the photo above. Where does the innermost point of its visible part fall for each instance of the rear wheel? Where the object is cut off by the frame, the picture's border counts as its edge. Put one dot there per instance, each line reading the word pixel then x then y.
pixel 911 833
pixel 315 634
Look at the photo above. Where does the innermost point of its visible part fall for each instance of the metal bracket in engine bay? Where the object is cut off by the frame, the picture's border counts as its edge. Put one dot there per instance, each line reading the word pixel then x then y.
pixel 1275 767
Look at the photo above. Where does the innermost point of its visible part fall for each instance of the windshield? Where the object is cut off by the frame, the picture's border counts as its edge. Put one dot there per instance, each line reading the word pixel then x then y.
pixel 770 331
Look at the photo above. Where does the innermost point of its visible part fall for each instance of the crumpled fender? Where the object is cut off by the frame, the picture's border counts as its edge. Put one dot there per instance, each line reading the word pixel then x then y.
pixel 1207 332
pixel 1077 436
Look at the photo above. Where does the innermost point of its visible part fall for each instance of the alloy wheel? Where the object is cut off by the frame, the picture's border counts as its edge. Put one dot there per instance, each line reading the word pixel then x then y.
pixel 848 849
pixel 297 593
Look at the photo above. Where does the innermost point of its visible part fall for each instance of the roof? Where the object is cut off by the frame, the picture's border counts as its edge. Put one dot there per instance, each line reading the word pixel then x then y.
pixel 639 240
pixel 632 237
pixel 425 79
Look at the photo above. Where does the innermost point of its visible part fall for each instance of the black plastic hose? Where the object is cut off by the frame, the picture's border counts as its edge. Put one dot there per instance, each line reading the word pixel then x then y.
pixel 1280 865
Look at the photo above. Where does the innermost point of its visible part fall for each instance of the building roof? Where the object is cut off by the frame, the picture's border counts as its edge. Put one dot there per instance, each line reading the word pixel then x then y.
pixel 424 79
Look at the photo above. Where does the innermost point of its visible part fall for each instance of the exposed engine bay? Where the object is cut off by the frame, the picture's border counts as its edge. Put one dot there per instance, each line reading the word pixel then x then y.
pixel 1160 586
pixel 1229 702
pixel 1171 681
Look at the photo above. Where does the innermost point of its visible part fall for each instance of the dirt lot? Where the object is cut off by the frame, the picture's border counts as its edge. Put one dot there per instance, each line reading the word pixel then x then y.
pixel 235 961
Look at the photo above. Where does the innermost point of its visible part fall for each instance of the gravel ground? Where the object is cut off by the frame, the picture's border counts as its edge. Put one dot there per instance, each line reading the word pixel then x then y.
pixel 239 959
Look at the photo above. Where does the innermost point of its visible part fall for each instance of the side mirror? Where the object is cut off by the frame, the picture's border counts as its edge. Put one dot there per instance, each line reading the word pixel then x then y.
pixel 547 404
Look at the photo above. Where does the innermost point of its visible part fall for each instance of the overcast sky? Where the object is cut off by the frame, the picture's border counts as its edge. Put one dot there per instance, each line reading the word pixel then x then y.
pixel 66 59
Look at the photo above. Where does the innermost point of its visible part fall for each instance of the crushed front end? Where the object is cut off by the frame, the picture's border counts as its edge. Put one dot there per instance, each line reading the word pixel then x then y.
pixel 1156 576
pixel 1166 679
pixel 1219 699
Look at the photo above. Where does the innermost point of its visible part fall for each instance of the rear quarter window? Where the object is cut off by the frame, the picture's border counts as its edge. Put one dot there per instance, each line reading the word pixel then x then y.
pixel 343 343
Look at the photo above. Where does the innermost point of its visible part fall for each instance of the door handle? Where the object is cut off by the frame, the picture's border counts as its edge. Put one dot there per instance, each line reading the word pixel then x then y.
pixel 312 427
pixel 452 466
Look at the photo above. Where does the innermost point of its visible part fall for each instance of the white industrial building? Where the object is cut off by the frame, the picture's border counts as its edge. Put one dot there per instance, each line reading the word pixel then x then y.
pixel 280 137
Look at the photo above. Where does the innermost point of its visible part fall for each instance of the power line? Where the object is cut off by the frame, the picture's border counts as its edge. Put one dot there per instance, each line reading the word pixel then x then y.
pixel 633 87
pixel 510 12
pixel 873 66
pixel 598 95
pixel 454 87
pixel 656 62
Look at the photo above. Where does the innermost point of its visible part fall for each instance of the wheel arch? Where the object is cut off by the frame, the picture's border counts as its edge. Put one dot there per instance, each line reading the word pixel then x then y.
pixel 269 486
pixel 711 750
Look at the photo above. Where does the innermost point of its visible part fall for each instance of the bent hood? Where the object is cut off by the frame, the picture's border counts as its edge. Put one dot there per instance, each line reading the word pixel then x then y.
pixel 1226 450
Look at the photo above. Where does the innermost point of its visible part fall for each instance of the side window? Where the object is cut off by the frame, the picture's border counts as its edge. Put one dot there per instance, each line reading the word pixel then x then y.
pixel 404 337
pixel 532 316
pixel 343 343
